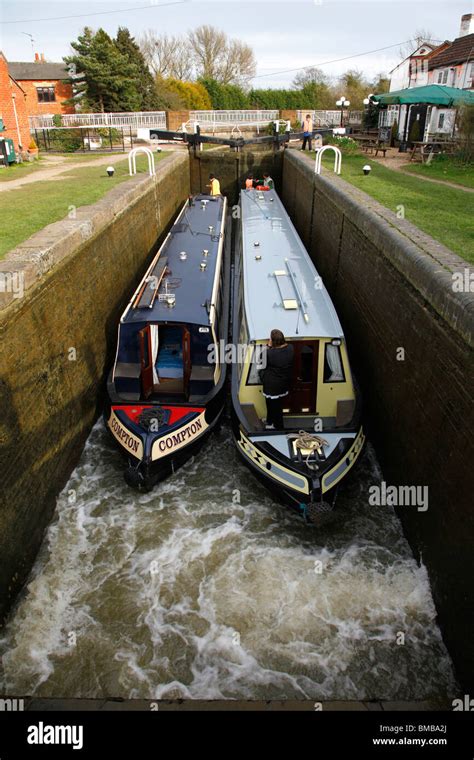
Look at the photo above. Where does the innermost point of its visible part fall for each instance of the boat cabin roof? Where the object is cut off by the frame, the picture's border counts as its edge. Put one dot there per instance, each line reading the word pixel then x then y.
pixel 282 288
pixel 179 268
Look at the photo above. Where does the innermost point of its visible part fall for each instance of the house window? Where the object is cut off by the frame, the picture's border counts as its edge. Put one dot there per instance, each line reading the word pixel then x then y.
pixel 45 94
pixel 445 76
pixel 441 120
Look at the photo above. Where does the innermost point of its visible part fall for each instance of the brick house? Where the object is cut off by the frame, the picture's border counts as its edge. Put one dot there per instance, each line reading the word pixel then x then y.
pixel 47 86
pixel 13 109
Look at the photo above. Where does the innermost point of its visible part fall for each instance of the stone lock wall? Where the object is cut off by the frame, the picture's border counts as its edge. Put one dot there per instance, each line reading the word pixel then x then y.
pixel 78 276
pixel 392 287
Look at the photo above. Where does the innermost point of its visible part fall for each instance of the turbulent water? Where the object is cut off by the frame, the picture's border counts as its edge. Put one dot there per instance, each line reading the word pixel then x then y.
pixel 206 588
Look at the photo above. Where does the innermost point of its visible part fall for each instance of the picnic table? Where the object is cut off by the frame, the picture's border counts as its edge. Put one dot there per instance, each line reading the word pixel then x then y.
pixel 371 143
pixel 425 150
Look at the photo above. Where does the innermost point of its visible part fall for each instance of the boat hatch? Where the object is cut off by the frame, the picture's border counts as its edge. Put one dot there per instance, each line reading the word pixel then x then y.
pixel 158 360
pixel 289 291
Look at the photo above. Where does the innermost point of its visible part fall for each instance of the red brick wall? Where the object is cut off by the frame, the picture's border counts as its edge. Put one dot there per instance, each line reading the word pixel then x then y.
pixel 8 87
pixel 63 91
pixel 174 119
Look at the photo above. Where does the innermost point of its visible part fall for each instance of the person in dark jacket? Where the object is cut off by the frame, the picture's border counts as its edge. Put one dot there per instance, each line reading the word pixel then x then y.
pixel 276 378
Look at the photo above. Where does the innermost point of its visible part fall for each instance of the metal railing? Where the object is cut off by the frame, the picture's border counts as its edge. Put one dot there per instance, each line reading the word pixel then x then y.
pixel 135 120
pixel 233 118
pixel 331 118
pixel 321 118
pixel 355 117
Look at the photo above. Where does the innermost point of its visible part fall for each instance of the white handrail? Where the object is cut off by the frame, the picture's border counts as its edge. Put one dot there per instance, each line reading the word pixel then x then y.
pixel 337 158
pixel 132 160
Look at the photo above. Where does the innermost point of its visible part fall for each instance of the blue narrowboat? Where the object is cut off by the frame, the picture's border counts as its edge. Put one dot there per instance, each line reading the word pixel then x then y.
pixel 166 390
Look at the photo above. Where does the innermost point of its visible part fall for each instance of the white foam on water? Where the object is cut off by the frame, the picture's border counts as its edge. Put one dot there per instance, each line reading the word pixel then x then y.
pixel 184 593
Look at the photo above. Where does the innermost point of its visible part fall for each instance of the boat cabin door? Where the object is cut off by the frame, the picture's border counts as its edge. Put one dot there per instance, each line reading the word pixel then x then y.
pixel 302 396
pixel 146 361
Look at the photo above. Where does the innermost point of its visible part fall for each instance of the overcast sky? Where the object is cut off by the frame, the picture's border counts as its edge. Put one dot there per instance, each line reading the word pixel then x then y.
pixel 285 34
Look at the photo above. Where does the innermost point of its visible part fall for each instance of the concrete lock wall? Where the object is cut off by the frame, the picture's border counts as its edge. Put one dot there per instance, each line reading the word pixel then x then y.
pixel 392 287
pixel 57 342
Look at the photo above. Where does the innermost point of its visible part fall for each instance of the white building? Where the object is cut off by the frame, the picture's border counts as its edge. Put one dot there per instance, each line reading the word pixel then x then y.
pixel 413 71
pixel 450 64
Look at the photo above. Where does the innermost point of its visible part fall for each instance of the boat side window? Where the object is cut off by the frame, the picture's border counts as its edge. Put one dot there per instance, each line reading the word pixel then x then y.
pixel 256 364
pixel 333 369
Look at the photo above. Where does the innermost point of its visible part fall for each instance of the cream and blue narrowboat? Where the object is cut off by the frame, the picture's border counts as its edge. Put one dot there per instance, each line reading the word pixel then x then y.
pixel 276 286
pixel 166 390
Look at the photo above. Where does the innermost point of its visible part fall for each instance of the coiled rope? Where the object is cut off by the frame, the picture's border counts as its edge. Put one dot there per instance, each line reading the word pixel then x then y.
pixel 310 442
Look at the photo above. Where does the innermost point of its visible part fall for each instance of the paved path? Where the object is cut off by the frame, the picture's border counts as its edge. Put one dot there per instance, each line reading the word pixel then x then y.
pixel 59 165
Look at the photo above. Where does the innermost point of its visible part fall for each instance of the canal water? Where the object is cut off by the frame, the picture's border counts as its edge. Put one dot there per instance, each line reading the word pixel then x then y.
pixel 206 588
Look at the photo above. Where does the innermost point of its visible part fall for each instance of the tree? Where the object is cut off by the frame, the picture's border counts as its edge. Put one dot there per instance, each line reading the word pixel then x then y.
pixel 225 96
pixel 354 88
pixel 217 57
pixel 465 119
pixel 144 83
pixel 166 55
pixel 381 84
pixel 167 98
pixel 419 36
pixel 193 95
pixel 310 76
pixel 106 78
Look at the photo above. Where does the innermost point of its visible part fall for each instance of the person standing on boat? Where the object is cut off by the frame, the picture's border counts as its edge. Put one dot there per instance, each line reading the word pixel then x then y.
pixel 307 131
pixel 214 185
pixel 249 182
pixel 276 378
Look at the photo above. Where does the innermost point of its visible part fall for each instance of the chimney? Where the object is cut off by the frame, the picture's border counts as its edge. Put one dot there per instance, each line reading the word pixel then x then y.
pixel 467 24
pixel 37 57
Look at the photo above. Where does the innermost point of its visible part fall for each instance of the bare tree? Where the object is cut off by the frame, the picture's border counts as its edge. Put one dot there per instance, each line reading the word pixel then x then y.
pixel 311 75
pixel 208 47
pixel 167 55
pixel 419 36
pixel 218 57
pixel 239 65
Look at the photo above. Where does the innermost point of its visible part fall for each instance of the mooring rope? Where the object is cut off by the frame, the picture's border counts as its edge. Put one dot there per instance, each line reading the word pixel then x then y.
pixel 309 441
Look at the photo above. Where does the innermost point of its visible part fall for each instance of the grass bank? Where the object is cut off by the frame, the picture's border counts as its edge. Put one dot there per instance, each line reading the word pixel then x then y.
pixel 25 210
pixel 445 213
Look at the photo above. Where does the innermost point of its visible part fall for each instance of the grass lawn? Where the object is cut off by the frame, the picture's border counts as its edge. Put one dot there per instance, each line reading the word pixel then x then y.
pixel 32 207
pixel 443 212
pixel 446 170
